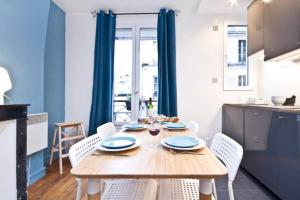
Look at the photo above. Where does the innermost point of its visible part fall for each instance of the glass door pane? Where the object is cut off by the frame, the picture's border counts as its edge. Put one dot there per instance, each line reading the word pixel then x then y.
pixel 123 63
pixel 148 65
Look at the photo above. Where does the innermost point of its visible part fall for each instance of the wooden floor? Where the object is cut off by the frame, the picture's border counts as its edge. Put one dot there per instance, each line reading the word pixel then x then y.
pixel 54 186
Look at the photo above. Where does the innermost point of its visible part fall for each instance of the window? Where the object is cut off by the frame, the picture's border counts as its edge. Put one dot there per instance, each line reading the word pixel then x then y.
pixel 135 67
pixel 236 69
pixel 242 80
pixel 155 87
pixel 123 74
pixel 242 51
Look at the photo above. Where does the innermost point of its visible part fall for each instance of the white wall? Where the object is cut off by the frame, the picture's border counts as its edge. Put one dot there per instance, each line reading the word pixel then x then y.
pixel 199 59
pixel 80 44
pixel 277 78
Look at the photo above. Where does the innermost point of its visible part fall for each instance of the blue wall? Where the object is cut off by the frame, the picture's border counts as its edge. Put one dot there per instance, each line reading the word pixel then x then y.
pixel 22 46
pixel 36 69
pixel 55 70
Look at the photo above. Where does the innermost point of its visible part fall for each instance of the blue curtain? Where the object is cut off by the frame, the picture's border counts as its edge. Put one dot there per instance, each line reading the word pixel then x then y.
pixel 101 109
pixel 167 97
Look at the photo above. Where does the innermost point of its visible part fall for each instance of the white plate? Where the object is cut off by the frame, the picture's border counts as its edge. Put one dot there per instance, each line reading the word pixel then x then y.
pixel 201 144
pixel 135 129
pixel 183 128
pixel 138 142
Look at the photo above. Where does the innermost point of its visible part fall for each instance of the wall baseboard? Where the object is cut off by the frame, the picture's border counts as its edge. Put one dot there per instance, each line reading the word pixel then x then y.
pixel 37 175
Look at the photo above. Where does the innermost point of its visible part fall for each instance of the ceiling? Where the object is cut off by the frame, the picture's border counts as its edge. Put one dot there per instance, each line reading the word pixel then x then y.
pixel 200 6
pixel 207 7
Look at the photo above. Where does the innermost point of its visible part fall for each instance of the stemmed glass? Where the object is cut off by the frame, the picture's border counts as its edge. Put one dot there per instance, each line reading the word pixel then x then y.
pixel 154 129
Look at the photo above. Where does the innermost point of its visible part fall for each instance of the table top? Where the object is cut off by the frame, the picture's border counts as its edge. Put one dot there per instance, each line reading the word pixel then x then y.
pixel 152 162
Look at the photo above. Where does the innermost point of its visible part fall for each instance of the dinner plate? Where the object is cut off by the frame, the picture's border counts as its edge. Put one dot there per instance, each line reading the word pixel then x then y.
pixel 182 141
pixel 137 143
pixel 169 128
pixel 201 144
pixel 135 127
pixel 175 125
pixel 118 142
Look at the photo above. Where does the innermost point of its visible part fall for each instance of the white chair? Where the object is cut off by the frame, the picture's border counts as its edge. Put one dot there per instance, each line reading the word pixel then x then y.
pixel 80 151
pixel 106 130
pixel 128 189
pixel 193 127
pixel 227 150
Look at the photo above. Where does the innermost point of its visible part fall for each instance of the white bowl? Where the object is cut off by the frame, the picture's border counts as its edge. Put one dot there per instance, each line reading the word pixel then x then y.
pixel 278 100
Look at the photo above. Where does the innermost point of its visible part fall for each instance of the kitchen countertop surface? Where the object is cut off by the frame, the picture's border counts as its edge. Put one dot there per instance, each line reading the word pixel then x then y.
pixel 291 109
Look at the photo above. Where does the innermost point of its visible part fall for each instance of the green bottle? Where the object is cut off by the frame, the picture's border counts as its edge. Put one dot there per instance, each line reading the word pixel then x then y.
pixel 150 107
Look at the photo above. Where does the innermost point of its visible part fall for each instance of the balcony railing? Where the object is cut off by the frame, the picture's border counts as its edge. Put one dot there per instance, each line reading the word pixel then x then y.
pixel 122 109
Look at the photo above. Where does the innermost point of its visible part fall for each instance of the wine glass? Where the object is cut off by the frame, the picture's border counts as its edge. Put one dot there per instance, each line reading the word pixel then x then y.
pixel 154 129
pixel 151 118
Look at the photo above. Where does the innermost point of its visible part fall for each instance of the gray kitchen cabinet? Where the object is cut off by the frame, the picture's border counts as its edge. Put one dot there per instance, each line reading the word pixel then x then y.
pixel 257 125
pixel 259 155
pixel 288 154
pixel 271 145
pixel 274 27
pixel 281 27
pixel 255 27
pixel 233 122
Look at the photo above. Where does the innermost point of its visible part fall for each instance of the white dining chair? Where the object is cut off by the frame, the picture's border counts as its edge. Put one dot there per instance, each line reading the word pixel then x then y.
pixel 127 189
pixel 80 151
pixel 106 130
pixel 227 150
pixel 193 127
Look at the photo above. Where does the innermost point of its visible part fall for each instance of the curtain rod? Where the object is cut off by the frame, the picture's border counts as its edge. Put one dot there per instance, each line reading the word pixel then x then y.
pixel 141 13
pixel 94 13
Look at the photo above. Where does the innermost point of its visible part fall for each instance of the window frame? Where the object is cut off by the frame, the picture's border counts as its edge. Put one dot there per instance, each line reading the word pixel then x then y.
pixel 135 23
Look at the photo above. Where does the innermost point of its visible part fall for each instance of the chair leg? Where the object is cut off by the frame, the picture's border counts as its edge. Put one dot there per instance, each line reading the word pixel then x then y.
pixel 82 130
pixel 78 193
pixel 214 189
pixel 53 146
pixel 60 150
pixel 230 190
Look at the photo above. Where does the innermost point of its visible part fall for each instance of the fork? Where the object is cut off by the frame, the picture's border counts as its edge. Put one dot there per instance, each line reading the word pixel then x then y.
pixel 102 154
pixel 184 152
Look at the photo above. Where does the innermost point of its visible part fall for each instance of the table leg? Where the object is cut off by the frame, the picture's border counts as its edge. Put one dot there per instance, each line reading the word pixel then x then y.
pixel 205 189
pixel 94 189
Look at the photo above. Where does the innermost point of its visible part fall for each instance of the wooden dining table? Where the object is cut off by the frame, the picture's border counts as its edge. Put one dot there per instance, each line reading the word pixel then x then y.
pixel 146 162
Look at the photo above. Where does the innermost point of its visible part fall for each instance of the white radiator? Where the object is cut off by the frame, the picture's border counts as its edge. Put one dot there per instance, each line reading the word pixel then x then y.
pixel 37 132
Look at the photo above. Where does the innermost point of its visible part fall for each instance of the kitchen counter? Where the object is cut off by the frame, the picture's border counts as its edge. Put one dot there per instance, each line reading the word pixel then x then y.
pixel 289 109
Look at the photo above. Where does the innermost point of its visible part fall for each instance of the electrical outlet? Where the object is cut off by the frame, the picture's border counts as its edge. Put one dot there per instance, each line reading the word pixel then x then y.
pixel 215 28
pixel 214 80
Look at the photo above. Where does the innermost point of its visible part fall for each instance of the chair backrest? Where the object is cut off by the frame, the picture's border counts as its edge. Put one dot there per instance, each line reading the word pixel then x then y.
pixel 84 148
pixel 106 130
pixel 193 126
pixel 229 152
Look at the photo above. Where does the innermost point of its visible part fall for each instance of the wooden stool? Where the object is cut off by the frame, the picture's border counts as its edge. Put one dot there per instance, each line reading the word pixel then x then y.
pixel 63 138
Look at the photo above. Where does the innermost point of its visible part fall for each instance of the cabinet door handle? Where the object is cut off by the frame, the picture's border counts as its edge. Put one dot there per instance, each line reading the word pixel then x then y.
pixel 256 113
pixel 280 117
